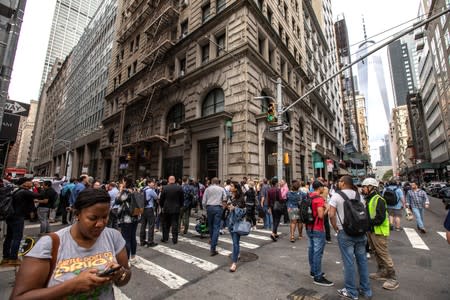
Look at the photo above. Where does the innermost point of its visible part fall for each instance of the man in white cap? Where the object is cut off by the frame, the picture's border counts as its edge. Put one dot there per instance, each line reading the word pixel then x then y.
pixel 379 233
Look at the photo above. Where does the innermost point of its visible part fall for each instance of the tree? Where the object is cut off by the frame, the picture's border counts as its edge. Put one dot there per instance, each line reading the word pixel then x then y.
pixel 388 175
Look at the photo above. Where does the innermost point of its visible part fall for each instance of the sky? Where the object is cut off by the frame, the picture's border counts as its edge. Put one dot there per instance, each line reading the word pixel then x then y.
pixel 31 50
pixel 379 16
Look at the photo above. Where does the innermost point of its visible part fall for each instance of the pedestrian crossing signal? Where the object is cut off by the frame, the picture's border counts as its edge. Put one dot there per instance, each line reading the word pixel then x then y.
pixel 271 114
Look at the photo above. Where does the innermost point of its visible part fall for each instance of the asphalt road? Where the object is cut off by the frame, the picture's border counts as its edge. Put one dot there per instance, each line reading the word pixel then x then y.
pixel 278 270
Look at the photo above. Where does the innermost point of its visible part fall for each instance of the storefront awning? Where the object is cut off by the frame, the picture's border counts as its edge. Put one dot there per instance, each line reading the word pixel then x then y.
pixel 356 161
pixel 343 171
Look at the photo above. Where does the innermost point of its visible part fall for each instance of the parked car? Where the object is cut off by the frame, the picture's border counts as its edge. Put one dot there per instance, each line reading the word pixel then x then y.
pixel 434 189
pixel 444 194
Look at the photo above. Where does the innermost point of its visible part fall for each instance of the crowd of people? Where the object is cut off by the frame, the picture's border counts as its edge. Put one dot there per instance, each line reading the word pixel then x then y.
pixel 361 216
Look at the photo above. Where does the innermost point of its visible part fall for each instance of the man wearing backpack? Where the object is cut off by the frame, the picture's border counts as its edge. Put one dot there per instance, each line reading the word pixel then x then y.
pixel 395 204
pixel 148 217
pixel 22 201
pixel 316 235
pixel 379 233
pixel 351 245
pixel 185 211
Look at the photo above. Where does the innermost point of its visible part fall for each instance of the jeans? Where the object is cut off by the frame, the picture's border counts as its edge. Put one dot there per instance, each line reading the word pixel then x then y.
pixel 14 234
pixel 354 247
pixel 43 218
pixel 129 234
pixel 185 213
pixel 147 218
pixel 214 213
pixel 236 238
pixel 268 220
pixel 315 252
pixel 276 214
pixel 418 213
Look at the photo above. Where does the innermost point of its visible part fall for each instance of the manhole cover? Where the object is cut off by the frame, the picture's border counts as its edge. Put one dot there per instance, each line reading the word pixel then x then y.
pixel 247 256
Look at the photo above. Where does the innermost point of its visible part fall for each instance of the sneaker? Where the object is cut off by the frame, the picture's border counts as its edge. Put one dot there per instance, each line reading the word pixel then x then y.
pixel 423 230
pixel 221 232
pixel 312 274
pixel 398 228
pixel 323 282
pixel 328 242
pixel 133 260
pixel 368 255
pixel 345 295
pixel 391 284
pixel 378 276
pixel 363 295
pixel 152 244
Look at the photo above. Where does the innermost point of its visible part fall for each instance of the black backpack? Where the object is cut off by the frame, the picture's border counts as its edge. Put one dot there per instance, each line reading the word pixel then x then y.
pixel 390 196
pixel 356 217
pixel 6 202
pixel 137 203
pixel 305 210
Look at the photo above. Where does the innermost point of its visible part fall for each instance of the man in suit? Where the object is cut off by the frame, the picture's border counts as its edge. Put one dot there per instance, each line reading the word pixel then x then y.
pixel 171 201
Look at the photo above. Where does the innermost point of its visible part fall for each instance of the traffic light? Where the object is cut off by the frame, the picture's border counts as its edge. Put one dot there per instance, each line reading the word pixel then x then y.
pixel 271 113
pixel 286 158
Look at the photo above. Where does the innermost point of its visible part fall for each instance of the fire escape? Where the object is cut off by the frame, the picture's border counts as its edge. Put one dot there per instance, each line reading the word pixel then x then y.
pixel 161 39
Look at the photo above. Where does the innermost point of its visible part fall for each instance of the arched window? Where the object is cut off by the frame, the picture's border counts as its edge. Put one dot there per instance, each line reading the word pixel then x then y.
pixel 176 114
pixel 111 136
pixel 213 102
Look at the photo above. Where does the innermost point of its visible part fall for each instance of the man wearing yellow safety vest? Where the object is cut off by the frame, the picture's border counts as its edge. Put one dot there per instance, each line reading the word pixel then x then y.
pixel 379 233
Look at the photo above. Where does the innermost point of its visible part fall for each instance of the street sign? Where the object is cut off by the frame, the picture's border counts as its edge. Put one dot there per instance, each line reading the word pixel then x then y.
pixel 17 108
pixel 276 128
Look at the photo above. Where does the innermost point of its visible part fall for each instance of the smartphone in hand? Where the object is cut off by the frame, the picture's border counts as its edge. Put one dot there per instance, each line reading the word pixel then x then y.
pixel 108 272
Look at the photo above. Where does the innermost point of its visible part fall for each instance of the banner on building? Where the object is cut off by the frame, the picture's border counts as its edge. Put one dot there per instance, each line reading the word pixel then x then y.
pixel 10 126
pixel 330 165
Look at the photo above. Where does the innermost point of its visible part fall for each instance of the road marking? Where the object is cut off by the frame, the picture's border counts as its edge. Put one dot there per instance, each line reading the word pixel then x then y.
pixel 254 236
pixel 38 225
pixel 443 234
pixel 229 241
pixel 202 245
pixel 414 238
pixel 266 231
pixel 119 295
pixel 167 277
pixel 198 262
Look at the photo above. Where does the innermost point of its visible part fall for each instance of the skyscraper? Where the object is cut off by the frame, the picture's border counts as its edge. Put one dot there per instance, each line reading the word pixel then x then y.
pixel 363 76
pixel 69 20
pixel 401 55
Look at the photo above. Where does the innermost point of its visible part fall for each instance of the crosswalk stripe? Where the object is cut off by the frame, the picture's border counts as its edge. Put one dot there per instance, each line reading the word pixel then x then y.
pixel 266 231
pixel 443 234
pixel 39 225
pixel 414 238
pixel 198 262
pixel 254 236
pixel 202 245
pixel 229 241
pixel 167 277
pixel 119 295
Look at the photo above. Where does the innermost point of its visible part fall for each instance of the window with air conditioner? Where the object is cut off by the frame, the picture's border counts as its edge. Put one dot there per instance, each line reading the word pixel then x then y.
pixel 184 27
pixel 175 116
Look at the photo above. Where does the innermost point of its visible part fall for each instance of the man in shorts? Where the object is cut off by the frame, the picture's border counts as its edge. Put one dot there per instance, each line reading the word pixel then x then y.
pixel 395 211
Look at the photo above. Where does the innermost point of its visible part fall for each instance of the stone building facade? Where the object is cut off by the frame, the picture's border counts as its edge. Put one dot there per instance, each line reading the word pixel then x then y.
pixel 182 87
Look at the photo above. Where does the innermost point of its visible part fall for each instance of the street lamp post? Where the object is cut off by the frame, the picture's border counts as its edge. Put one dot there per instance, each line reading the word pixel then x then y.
pixel 279 123
pixel 67 145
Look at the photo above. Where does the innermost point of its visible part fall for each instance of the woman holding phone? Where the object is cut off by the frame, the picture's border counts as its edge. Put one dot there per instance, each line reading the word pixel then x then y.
pixel 89 259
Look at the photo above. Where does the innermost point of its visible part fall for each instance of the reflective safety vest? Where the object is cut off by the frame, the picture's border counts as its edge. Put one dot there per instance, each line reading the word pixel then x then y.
pixel 382 229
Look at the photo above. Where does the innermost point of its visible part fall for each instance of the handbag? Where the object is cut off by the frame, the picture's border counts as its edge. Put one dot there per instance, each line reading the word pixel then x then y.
pixel 242 227
pixel 409 215
pixel 277 206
